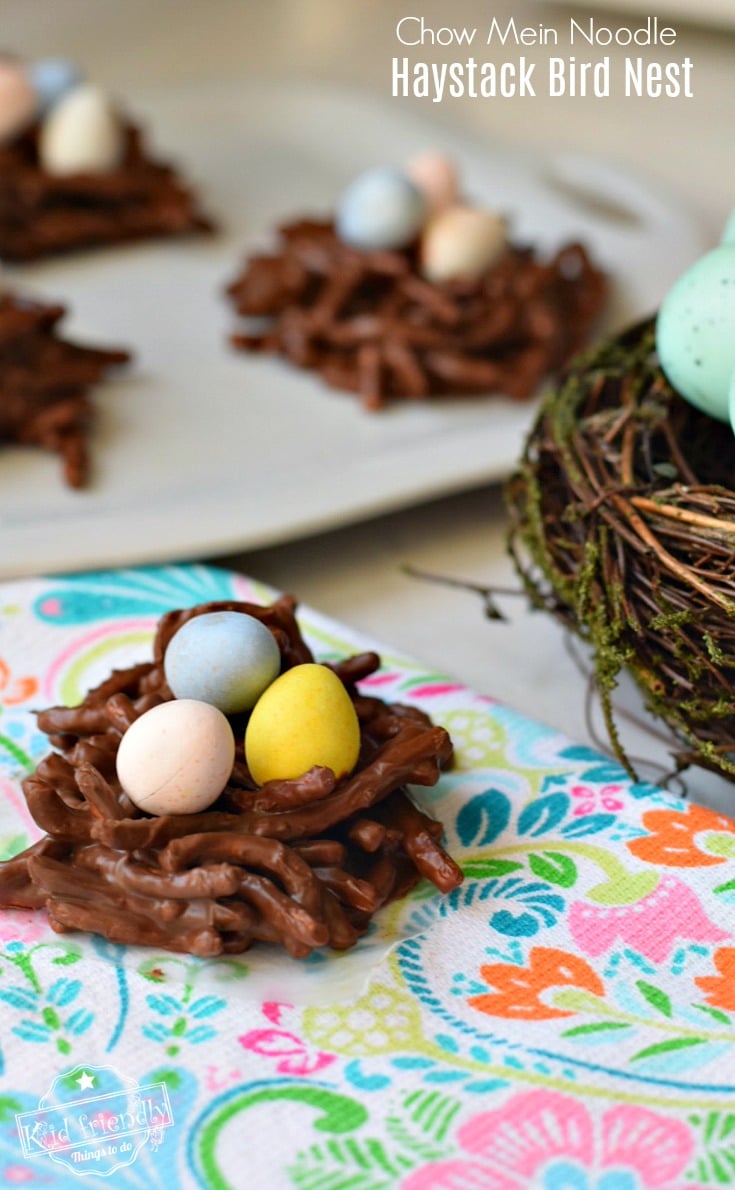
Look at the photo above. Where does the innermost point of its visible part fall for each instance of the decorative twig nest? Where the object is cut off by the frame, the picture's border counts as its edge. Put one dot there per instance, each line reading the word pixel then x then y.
pixel 623 526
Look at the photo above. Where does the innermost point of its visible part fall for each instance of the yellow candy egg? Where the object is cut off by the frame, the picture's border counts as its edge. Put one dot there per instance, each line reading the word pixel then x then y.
pixel 304 718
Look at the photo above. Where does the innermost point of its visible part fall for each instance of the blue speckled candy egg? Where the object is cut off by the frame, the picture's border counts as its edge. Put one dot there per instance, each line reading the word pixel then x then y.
pixel 731 400
pixel 382 208
pixel 51 79
pixel 695 332
pixel 728 234
pixel 225 658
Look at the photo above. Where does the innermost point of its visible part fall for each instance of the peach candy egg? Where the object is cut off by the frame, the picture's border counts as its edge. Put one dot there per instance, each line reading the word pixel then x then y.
pixel 17 100
pixel 461 243
pixel 436 176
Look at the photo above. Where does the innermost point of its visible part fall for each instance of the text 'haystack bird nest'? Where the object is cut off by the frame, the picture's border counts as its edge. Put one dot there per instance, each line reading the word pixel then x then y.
pixel 623 526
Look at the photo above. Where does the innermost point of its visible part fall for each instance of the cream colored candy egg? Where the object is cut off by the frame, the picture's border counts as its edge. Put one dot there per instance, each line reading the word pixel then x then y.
pixel 82 134
pixel 436 176
pixel 177 757
pixel 304 718
pixel 18 102
pixel 461 243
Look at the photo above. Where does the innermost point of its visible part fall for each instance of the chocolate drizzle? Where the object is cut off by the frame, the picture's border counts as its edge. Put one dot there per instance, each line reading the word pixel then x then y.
pixel 368 322
pixel 44 380
pixel 42 214
pixel 302 863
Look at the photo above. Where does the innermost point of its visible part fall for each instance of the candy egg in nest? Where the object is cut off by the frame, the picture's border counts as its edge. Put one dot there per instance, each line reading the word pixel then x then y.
pixel 226 658
pixel 437 178
pixel 176 758
pixel 304 719
pixel 82 134
pixel 461 243
pixel 381 209
pixel 695 332
pixel 18 102
pixel 52 79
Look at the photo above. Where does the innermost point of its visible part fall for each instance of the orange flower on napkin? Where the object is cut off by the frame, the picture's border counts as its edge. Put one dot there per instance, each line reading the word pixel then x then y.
pixel 719 990
pixel 21 690
pixel 672 841
pixel 518 990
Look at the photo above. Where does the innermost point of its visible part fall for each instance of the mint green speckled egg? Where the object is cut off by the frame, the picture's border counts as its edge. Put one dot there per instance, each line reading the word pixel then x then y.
pixel 695 332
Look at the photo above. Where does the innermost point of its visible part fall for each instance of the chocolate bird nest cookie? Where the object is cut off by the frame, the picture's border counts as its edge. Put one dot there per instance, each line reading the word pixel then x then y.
pixel 43 214
pixel 370 323
pixel 623 526
pixel 303 863
pixel 44 383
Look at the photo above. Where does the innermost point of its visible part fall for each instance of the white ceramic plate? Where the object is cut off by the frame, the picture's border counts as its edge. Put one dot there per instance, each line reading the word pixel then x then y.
pixel 199 450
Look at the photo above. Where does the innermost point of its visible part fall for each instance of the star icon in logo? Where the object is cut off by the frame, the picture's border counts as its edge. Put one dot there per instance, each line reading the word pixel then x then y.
pixel 86 1081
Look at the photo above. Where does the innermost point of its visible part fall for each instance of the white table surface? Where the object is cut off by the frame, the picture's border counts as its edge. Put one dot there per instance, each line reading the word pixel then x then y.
pixel 356 574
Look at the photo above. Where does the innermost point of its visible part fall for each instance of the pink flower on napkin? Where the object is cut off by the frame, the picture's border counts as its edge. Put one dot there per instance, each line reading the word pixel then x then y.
pixel 543 1138
pixel 292 1054
pixel 589 800
pixel 650 926
pixel 19 1175
pixel 22 925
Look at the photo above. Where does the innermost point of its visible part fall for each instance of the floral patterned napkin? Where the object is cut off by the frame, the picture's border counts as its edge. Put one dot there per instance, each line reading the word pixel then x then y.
pixel 564 1020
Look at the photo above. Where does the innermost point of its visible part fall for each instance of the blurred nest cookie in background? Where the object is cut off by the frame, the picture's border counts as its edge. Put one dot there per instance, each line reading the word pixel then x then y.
pixel 410 293
pixel 76 172
pixel 45 381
